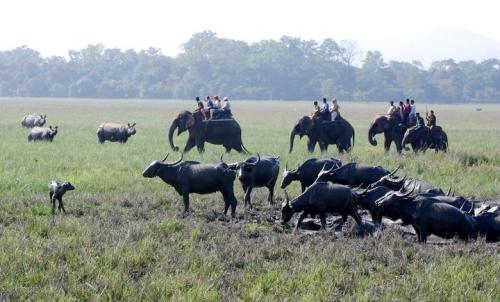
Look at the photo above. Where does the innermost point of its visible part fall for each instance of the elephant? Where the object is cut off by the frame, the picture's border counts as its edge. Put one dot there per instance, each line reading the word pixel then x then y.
pixel 225 132
pixel 426 138
pixel 393 132
pixel 337 132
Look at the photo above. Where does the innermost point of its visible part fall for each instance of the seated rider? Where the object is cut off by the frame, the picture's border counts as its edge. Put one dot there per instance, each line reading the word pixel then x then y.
pixel 431 119
pixel 325 111
pixel 316 110
pixel 392 109
pixel 413 110
pixel 335 110
pixel 420 121
pixel 200 107
pixel 226 107
pixel 210 106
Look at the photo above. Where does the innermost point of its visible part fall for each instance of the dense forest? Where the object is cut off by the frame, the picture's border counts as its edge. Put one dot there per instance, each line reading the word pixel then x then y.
pixel 287 69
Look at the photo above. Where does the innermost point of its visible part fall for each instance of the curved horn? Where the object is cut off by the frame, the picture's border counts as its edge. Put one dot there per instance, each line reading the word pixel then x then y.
pixel 222 155
pixel 286 166
pixel 395 170
pixel 449 191
pixel 255 163
pixel 177 161
pixel 462 206
pixel 366 190
pixel 165 157
pixel 407 193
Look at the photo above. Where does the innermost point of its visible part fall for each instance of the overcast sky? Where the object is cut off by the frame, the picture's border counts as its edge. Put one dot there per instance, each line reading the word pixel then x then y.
pixel 54 26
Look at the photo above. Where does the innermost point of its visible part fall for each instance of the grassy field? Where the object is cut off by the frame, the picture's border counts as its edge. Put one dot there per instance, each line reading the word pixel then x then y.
pixel 123 238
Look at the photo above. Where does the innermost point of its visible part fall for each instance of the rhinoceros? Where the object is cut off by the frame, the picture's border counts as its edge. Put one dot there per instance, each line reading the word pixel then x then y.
pixel 42 134
pixel 33 120
pixel 114 132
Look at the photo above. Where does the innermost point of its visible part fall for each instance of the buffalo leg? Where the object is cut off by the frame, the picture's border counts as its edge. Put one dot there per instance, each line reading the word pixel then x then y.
pixel 248 198
pixel 302 216
pixel 61 205
pixel 185 197
pixel 270 197
pixel 53 200
pixel 322 218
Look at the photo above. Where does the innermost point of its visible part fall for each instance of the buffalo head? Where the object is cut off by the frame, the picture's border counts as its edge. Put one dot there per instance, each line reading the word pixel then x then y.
pixel 157 165
pixel 286 210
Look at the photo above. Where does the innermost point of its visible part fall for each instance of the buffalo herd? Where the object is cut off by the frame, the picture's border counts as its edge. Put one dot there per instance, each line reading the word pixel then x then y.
pixel 327 185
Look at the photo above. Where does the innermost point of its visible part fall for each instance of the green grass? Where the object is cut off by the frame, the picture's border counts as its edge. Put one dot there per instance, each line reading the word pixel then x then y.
pixel 123 237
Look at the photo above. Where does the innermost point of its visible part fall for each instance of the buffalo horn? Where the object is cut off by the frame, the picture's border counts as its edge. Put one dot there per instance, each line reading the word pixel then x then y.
pixel 449 191
pixel 407 193
pixel 177 161
pixel 255 163
pixel 396 170
pixel 166 156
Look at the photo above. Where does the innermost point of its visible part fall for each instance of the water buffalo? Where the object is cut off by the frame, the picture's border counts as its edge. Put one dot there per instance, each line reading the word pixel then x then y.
pixel 429 216
pixel 425 138
pixel 256 172
pixel 114 132
pixel 56 192
pixel 194 177
pixel 354 174
pixel 225 132
pixel 488 225
pixel 339 133
pixel 367 198
pixel 320 199
pixel 33 120
pixel 307 173
pixel 42 134
pixel 404 184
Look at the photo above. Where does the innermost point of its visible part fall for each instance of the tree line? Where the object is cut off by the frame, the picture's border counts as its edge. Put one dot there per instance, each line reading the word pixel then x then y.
pixel 286 69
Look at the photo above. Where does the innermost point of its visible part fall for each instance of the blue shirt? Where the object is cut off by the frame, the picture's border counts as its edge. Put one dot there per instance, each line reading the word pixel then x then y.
pixel 324 107
pixel 210 104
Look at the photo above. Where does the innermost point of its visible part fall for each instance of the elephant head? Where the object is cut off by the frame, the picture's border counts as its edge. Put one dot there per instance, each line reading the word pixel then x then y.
pixel 413 135
pixel 380 124
pixel 184 121
pixel 302 127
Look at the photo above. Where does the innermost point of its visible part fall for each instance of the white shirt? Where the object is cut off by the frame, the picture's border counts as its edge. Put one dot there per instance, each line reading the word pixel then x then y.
pixel 413 110
pixel 226 106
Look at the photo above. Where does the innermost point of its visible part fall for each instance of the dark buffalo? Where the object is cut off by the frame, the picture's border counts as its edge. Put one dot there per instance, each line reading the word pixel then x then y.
pixel 338 132
pixel 56 193
pixel 404 184
pixel 488 225
pixel 354 174
pixel 114 132
pixel 193 177
pixel 428 216
pixel 42 134
pixel 367 198
pixel 257 172
pixel 226 132
pixel 307 173
pixel 320 199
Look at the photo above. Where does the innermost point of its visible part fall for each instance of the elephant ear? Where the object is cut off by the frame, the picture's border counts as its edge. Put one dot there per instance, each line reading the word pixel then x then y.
pixel 190 121
pixel 306 125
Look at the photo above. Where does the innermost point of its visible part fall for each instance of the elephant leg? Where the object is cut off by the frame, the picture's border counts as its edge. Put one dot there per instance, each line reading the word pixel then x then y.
pixel 248 198
pixel 311 145
pixel 228 148
pixel 200 144
pixel 387 145
pixel 189 144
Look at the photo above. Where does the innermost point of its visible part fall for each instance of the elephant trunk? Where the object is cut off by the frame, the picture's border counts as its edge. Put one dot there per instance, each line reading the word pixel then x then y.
pixel 171 135
pixel 371 136
pixel 292 136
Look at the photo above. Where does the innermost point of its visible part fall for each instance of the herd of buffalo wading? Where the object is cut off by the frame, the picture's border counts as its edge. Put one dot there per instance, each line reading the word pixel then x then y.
pixel 328 186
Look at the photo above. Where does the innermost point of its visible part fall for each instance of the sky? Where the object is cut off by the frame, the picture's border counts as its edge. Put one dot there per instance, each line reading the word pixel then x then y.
pixel 55 26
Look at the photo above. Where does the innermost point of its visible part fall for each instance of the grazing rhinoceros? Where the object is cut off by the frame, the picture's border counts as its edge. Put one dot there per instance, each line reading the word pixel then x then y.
pixel 33 120
pixel 114 132
pixel 42 134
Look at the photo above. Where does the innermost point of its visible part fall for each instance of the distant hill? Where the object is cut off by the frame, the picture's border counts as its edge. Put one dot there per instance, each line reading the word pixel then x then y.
pixel 439 44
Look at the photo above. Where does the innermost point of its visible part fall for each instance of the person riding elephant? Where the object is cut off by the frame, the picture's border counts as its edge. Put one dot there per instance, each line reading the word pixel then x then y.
pixel 225 132
pixel 334 110
pixel 338 133
pixel 391 127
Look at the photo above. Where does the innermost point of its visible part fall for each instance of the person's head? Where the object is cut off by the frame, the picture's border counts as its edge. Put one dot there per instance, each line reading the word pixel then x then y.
pixel 216 97
pixel 197 98
pixel 334 101
pixel 324 100
pixel 392 103
pixel 412 102
pixel 408 101
pixel 225 99
pixel 207 98
pixel 417 114
pixel 315 103
pixel 401 103
pixel 432 112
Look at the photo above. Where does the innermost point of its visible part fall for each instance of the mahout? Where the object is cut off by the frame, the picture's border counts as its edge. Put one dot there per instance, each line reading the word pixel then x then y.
pixel 322 198
pixel 354 174
pixel 194 177
pixel 427 216
pixel 42 134
pixel 391 127
pixel 225 132
pixel 324 133
pixel 115 132
pixel 424 138
pixel 56 192
pixel 33 120
pixel 307 172
pixel 256 172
